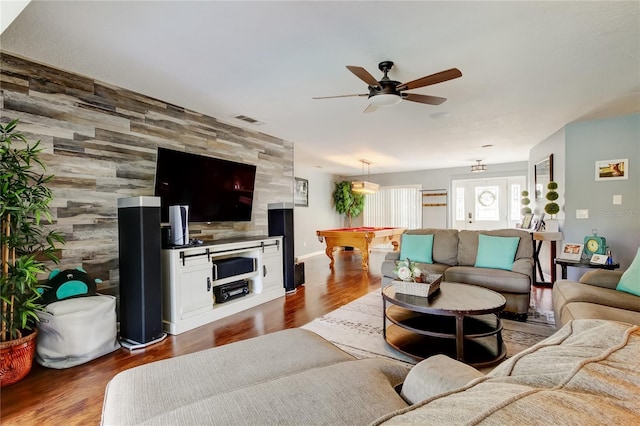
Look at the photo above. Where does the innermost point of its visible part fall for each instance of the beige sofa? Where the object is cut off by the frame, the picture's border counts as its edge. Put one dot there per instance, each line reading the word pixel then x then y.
pixel 454 256
pixel 588 372
pixel 594 296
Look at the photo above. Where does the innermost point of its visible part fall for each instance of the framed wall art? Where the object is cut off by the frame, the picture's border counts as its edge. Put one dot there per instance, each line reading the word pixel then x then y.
pixel 301 192
pixel 617 169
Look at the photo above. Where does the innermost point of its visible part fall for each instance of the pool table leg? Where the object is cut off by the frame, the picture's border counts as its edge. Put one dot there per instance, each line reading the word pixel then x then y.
pixel 329 252
pixel 365 259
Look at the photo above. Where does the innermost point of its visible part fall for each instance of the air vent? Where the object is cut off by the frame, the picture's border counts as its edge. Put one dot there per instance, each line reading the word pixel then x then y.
pixel 249 120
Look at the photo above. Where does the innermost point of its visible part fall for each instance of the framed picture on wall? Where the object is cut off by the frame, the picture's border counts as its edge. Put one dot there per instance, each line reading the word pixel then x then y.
pixel 301 192
pixel 617 169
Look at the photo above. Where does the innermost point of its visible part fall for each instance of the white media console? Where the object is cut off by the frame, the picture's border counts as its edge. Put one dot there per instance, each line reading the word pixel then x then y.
pixel 188 280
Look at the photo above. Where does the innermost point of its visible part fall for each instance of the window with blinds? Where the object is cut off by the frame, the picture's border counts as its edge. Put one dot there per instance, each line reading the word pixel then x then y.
pixel 394 206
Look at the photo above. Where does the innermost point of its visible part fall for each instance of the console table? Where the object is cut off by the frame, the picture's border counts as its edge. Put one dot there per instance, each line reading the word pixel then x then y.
pixel 541 237
pixel 188 280
pixel 585 263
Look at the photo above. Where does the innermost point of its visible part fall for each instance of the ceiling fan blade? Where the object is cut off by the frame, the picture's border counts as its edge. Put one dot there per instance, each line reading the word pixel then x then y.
pixel 370 108
pixel 431 79
pixel 339 96
pixel 423 99
pixel 363 75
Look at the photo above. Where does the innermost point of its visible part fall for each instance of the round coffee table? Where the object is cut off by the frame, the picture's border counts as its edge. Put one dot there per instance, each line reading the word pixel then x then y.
pixel 459 320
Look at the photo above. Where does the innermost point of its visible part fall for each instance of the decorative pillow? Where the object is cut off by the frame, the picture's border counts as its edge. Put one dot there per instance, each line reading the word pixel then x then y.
pixel 630 280
pixel 496 252
pixel 417 248
pixel 66 284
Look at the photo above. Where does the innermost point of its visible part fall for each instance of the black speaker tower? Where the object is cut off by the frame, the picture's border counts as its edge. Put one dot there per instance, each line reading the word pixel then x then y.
pixel 281 224
pixel 140 271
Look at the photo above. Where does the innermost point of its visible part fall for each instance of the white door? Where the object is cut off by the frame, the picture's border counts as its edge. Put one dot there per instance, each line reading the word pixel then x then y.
pixel 487 203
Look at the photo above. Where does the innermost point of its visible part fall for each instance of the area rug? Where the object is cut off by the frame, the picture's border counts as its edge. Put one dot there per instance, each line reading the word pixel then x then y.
pixel 357 329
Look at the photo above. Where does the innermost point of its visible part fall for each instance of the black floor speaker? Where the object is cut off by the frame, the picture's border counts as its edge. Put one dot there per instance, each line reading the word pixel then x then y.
pixel 281 224
pixel 140 270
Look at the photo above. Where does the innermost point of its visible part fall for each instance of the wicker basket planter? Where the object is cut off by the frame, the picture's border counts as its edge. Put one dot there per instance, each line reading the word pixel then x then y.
pixel 16 358
pixel 428 287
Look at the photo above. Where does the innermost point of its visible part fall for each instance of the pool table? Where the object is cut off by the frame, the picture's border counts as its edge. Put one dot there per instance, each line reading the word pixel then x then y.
pixel 361 238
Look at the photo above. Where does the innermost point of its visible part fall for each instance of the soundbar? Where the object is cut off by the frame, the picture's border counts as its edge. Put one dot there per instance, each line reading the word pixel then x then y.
pixel 225 268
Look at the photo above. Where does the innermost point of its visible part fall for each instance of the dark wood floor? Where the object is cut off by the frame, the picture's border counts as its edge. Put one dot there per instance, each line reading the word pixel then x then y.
pixel 74 396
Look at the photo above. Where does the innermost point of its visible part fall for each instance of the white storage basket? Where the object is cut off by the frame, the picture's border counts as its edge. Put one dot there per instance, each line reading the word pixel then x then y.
pixel 75 331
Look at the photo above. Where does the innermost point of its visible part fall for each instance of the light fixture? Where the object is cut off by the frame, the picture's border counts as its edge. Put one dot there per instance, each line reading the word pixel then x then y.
pixel 385 99
pixel 478 168
pixel 363 186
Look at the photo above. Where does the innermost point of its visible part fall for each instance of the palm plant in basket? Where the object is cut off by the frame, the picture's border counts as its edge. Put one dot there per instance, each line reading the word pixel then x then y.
pixel 24 243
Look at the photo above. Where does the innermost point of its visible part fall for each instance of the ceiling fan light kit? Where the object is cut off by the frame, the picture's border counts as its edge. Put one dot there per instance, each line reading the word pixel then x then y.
pixel 385 100
pixel 478 168
pixel 387 92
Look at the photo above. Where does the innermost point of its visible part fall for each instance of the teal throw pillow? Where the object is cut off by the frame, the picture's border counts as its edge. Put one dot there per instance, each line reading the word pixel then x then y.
pixel 630 280
pixel 417 248
pixel 496 252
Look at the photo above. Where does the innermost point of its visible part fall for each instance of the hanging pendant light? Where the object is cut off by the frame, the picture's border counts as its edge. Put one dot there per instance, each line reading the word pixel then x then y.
pixel 478 168
pixel 363 186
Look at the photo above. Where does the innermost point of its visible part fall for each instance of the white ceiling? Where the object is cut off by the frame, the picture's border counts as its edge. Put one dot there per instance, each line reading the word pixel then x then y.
pixel 529 68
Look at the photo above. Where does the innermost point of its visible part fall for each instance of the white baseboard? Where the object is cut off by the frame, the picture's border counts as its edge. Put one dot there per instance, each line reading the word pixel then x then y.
pixel 305 256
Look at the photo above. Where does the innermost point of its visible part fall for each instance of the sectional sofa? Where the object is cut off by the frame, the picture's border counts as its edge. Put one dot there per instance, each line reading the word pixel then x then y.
pixel 454 254
pixel 594 296
pixel 588 372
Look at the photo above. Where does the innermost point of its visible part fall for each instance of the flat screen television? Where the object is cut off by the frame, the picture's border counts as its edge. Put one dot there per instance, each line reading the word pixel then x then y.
pixel 215 190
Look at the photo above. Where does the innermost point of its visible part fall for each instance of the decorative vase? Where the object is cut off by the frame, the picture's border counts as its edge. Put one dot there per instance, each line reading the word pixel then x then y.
pixel 16 358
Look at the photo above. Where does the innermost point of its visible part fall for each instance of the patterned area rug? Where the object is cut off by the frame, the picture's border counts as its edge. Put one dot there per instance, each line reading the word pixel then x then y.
pixel 357 329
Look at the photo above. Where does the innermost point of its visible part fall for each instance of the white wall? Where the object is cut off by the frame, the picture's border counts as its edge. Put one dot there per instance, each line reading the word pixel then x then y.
pixel 441 178
pixel 320 214
pixel 10 11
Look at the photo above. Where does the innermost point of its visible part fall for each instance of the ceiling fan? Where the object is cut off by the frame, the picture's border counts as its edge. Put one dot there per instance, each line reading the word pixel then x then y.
pixel 387 92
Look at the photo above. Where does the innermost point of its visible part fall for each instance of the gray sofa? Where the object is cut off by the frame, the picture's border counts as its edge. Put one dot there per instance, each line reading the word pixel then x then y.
pixel 594 296
pixel 454 256
pixel 588 372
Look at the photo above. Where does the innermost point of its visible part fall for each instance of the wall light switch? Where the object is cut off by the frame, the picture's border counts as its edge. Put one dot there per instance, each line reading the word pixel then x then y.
pixel 617 200
pixel 582 214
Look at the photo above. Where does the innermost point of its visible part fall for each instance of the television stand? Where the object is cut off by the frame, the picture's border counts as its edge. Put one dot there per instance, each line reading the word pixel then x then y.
pixel 189 277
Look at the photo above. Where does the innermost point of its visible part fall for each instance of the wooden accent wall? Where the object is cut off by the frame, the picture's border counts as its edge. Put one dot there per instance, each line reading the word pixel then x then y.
pixel 100 141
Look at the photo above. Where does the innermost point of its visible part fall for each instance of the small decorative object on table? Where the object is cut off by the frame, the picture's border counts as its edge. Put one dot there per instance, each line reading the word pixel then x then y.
pixel 413 281
pixel 609 258
pixel 595 244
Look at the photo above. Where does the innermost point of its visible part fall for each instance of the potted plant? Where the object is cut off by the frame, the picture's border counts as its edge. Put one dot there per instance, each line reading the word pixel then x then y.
pixel 552 208
pixel 24 244
pixel 525 203
pixel 347 202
